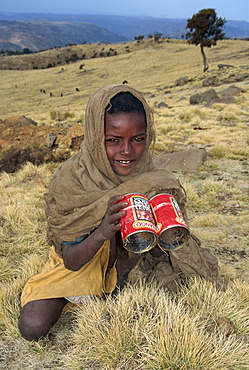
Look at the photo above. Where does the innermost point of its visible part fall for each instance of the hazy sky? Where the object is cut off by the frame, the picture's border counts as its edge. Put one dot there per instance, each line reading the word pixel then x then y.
pixel 229 9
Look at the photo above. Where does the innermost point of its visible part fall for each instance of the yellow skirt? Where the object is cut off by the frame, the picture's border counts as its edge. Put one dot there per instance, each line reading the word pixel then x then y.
pixel 55 281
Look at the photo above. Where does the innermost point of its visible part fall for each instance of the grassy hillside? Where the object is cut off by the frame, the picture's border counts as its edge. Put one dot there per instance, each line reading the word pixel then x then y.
pixel 146 327
pixel 153 68
pixel 62 56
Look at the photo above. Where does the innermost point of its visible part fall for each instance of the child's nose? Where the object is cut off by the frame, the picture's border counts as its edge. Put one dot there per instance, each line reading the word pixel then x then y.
pixel 126 147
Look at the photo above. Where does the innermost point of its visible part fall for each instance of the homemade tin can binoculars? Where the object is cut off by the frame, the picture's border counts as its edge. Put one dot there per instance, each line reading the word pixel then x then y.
pixel 150 222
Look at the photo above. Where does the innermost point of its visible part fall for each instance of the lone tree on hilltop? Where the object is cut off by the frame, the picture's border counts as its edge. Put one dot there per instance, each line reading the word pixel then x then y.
pixel 205 29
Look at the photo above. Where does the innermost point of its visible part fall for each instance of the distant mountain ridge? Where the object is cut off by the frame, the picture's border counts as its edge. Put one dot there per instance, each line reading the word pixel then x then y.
pixel 121 28
pixel 40 35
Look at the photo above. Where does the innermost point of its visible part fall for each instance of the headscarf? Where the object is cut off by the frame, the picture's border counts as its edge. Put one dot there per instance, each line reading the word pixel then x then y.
pixel 94 140
pixel 80 189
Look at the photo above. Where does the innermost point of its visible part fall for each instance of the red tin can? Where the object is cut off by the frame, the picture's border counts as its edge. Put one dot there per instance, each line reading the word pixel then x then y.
pixel 173 232
pixel 138 231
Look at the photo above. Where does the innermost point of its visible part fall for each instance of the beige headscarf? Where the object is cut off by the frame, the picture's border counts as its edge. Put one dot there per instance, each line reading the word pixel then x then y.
pixel 80 189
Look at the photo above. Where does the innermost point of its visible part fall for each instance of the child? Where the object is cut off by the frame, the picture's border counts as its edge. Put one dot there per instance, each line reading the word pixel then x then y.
pixel 84 204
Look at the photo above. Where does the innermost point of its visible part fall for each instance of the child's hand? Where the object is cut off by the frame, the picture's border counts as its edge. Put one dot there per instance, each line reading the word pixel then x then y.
pixel 110 224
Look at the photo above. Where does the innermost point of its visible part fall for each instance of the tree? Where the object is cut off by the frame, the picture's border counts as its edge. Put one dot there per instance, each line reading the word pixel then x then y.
pixel 139 37
pixel 157 36
pixel 27 51
pixel 205 30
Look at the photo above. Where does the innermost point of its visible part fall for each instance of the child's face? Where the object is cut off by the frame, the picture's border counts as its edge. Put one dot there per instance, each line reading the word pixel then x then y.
pixel 125 140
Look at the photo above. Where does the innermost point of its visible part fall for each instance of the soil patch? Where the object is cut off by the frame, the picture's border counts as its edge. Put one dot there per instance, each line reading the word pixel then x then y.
pixel 15 158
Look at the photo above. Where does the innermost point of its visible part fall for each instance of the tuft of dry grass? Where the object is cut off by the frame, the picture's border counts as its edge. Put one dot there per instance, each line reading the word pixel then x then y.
pixel 147 328
pixel 61 116
pixel 23 247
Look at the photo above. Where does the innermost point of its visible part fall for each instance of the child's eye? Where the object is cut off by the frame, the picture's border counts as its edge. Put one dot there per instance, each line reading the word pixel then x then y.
pixel 138 139
pixel 112 140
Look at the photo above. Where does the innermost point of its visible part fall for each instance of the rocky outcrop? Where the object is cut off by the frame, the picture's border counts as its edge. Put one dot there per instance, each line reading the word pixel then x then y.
pixel 22 132
pixel 206 96
pixel 210 96
pixel 18 121
pixel 22 140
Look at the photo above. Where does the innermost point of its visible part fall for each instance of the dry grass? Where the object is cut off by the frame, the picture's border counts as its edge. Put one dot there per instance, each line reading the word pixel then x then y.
pixel 163 63
pixel 145 328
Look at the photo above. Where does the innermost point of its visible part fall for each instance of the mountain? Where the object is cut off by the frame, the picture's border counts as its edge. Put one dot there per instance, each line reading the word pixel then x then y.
pixel 40 35
pixel 133 26
pixel 76 28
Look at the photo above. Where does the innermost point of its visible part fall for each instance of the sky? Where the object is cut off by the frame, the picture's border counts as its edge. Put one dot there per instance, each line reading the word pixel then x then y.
pixel 229 9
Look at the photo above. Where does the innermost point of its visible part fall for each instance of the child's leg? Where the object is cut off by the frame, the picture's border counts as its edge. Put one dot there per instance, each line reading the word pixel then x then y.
pixel 37 317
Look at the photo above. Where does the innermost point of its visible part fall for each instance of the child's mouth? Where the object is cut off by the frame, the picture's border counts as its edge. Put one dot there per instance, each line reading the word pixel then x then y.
pixel 124 162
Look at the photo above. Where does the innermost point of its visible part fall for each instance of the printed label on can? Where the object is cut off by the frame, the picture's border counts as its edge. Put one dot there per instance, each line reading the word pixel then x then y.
pixel 138 220
pixel 173 231
pixel 178 212
pixel 138 214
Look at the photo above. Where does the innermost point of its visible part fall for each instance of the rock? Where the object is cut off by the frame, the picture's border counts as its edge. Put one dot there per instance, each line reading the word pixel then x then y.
pixel 19 121
pixel 184 161
pixel 238 77
pixel 242 76
pixel 209 95
pixel 195 99
pixel 225 100
pixel 231 90
pixel 161 105
pixel 225 96
pixel 74 132
pixel 182 81
pixel 206 96
pixel 51 140
pixel 209 81
pixel 76 142
pixel 221 66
